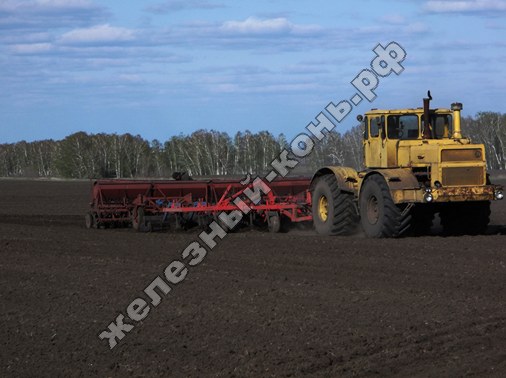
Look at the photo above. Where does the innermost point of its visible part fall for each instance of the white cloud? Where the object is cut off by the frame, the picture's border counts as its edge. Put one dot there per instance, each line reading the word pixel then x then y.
pixel 262 35
pixel 45 6
pixel 395 19
pixel 416 27
pixel 398 26
pixel 12 38
pixel 31 48
pixel 463 6
pixel 98 34
pixel 179 5
pixel 130 78
pixel 253 25
pixel 46 15
pixel 65 4
pixel 264 88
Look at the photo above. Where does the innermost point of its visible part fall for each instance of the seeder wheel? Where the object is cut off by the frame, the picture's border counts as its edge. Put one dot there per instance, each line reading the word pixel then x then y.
pixel 89 220
pixel 138 219
pixel 274 223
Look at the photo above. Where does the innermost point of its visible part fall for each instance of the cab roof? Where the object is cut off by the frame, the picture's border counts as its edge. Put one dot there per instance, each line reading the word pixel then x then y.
pixel 406 111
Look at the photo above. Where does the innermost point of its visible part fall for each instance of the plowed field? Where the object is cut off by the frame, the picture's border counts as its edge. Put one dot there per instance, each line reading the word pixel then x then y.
pixel 260 304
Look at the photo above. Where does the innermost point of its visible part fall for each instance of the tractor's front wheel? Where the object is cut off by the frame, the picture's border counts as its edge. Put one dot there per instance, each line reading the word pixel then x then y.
pixel 379 215
pixel 334 212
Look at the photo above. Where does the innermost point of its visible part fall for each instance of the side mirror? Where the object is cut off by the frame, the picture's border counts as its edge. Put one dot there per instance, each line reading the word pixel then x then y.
pixel 360 118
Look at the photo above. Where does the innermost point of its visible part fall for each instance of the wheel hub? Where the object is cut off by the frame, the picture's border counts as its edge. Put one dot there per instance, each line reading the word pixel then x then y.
pixel 323 210
pixel 372 210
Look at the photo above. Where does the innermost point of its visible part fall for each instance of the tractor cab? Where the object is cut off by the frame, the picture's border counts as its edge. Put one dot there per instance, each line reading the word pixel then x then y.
pixel 435 150
pixel 389 135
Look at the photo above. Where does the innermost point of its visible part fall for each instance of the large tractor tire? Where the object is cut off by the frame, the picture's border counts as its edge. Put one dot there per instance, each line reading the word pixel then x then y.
pixel 379 215
pixel 334 212
pixel 465 218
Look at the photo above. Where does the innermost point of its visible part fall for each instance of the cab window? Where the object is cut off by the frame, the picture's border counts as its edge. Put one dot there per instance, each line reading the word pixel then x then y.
pixel 377 126
pixel 366 129
pixel 403 127
pixel 443 125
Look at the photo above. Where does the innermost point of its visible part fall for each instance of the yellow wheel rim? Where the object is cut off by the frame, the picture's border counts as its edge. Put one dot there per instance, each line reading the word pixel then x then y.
pixel 323 210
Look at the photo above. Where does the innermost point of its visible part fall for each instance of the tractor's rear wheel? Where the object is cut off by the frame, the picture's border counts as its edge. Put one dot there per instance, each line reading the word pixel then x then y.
pixel 379 215
pixel 334 212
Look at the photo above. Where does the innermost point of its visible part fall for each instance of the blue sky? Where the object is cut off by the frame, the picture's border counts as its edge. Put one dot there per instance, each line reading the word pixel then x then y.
pixel 161 68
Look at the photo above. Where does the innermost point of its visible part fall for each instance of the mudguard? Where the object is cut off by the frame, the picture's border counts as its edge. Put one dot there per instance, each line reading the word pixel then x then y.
pixel 347 178
pixel 397 179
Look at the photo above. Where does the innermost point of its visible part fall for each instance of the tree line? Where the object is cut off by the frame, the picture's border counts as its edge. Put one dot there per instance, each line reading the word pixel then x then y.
pixel 206 153
pixel 202 153
pixel 488 128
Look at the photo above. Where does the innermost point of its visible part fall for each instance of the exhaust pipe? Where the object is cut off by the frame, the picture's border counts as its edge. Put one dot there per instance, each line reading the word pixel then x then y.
pixel 427 133
pixel 456 108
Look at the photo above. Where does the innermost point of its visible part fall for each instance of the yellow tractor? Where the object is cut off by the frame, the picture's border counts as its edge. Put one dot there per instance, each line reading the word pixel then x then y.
pixel 417 164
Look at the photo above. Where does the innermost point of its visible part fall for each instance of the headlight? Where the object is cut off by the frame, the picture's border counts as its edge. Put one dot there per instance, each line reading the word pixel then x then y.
pixel 428 197
pixel 499 195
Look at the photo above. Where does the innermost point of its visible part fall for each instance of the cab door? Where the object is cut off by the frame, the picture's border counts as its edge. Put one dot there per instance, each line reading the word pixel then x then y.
pixel 374 146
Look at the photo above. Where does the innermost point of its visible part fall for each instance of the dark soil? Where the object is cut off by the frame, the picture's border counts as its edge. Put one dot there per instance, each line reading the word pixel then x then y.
pixel 259 305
